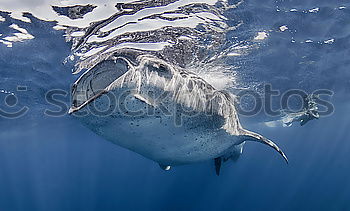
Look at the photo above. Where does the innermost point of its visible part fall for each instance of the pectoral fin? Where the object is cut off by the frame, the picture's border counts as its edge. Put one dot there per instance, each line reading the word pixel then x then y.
pixel 165 167
pixel 218 162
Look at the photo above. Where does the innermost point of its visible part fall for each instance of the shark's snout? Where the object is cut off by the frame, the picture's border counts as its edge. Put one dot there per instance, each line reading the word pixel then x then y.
pixel 94 82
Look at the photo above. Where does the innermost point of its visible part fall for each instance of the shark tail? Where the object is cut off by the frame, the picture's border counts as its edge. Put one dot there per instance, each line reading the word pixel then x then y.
pixel 251 136
pixel 248 136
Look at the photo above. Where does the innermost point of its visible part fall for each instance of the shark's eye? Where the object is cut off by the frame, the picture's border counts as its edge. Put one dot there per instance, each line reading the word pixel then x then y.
pixel 161 69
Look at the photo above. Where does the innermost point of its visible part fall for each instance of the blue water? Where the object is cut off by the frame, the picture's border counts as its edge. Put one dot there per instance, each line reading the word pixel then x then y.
pixel 52 164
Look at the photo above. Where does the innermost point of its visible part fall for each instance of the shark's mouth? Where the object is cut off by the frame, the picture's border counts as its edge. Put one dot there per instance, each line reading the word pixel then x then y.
pixel 93 83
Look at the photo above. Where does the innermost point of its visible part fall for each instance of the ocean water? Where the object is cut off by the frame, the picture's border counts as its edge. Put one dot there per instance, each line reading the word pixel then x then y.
pixel 55 163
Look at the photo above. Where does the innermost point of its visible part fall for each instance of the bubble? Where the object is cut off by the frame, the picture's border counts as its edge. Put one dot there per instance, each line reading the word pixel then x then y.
pixel 11 100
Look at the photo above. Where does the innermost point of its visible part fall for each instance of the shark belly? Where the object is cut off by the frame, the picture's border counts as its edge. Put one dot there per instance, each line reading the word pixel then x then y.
pixel 168 138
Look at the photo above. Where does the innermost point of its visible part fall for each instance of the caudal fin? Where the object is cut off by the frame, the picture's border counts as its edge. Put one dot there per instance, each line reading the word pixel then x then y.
pixel 251 136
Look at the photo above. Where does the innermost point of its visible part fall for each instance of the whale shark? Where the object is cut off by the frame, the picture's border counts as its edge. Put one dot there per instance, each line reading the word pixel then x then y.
pixel 160 111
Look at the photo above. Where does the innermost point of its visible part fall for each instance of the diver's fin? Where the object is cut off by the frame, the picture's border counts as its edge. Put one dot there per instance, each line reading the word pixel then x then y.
pixel 165 167
pixel 251 136
pixel 218 162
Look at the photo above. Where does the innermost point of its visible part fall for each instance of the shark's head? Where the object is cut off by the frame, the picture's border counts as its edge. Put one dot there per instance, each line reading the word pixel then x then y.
pixel 93 83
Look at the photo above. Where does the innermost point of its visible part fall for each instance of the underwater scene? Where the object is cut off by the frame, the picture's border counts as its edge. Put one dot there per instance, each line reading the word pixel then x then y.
pixel 174 105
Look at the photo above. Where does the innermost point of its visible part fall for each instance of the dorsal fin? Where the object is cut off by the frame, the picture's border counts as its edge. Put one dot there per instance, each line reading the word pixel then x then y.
pixel 251 136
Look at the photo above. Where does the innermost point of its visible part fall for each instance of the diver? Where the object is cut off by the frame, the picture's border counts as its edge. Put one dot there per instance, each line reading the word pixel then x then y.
pixel 309 112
